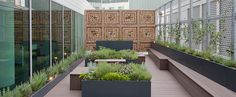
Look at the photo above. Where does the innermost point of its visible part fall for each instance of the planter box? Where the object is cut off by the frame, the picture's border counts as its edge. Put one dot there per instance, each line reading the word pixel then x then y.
pixel 44 90
pixel 219 73
pixel 116 45
pixel 93 88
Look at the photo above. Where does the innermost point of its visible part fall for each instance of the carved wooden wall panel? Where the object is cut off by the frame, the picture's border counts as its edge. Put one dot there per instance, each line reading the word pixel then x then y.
pixel 93 34
pixel 94 18
pixel 111 33
pixel 129 34
pixel 111 17
pixel 135 25
pixel 147 17
pixel 147 34
pixel 129 17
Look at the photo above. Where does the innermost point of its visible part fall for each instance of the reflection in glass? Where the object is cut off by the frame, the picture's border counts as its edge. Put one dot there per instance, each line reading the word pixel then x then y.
pixel 14 50
pixel 57 32
pixel 21 25
pixel 7 63
pixel 77 33
pixel 67 31
pixel 40 34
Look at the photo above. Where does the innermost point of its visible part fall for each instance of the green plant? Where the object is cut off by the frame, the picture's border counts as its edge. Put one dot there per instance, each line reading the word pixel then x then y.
pixel 104 68
pixel 115 76
pixel 207 55
pixel 139 72
pixel 106 53
pixel 107 71
pixel 7 93
pixel 39 80
pixel 23 90
pixel 128 54
pixel 199 31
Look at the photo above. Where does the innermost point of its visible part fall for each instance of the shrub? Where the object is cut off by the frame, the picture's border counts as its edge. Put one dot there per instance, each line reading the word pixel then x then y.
pixel 106 53
pixel 107 71
pixel 115 76
pixel 39 80
pixel 7 93
pixel 207 55
pixel 139 72
pixel 104 68
pixel 23 90
pixel 129 54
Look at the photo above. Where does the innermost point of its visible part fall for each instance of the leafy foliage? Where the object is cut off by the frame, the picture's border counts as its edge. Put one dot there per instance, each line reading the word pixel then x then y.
pixel 106 53
pixel 107 71
pixel 41 78
pixel 207 55
pixel 115 76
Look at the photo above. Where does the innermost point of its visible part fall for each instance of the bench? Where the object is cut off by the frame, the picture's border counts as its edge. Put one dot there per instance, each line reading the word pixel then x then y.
pixel 110 60
pixel 196 84
pixel 159 59
pixel 75 81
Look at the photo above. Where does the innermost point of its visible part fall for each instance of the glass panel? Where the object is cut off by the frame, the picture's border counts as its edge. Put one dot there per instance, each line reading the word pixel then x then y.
pixel 7 62
pixel 21 40
pixel 57 32
pixel 40 34
pixel 77 40
pixel 75 31
pixel 81 31
pixel 67 31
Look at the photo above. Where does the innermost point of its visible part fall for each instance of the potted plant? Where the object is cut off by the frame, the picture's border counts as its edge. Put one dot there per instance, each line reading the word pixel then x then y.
pixel 116 80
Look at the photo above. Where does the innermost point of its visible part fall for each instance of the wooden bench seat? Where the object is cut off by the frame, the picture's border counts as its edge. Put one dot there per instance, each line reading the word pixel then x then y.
pixel 159 59
pixel 75 81
pixel 196 84
pixel 110 60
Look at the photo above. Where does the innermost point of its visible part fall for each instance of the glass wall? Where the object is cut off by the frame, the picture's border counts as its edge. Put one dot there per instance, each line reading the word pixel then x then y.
pixel 21 30
pixel 57 32
pixel 14 41
pixel 77 35
pixel 7 57
pixel 14 37
pixel 67 31
pixel 40 34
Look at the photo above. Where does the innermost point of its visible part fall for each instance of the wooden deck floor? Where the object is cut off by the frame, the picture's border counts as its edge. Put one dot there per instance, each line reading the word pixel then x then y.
pixel 163 85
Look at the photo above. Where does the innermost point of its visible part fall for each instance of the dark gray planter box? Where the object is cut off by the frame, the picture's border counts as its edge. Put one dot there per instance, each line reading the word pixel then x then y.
pixel 219 73
pixel 94 88
pixel 44 90
pixel 116 45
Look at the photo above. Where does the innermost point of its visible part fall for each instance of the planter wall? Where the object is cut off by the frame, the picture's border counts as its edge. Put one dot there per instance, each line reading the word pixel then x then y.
pixel 44 90
pixel 221 74
pixel 116 88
